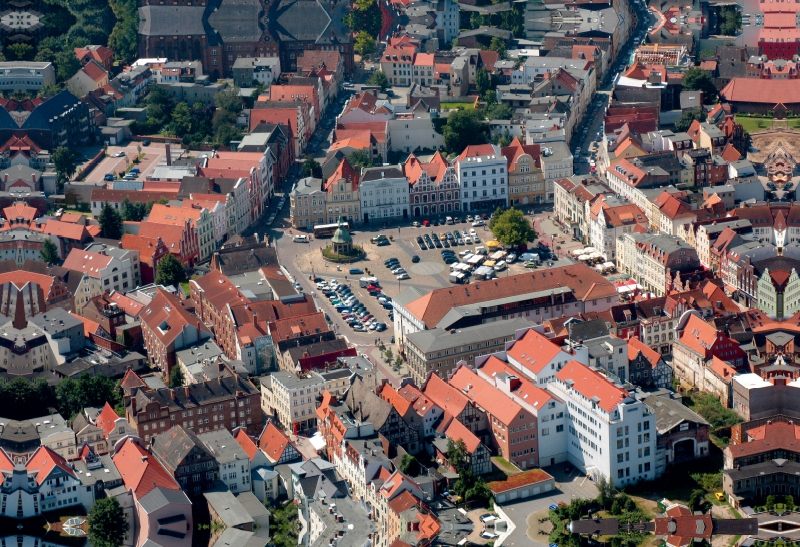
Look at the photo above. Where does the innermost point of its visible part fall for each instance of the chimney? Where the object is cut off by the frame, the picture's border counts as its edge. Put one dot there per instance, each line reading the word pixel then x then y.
pixel 186 390
pixel 172 394
pixel 168 150
pixel 5 177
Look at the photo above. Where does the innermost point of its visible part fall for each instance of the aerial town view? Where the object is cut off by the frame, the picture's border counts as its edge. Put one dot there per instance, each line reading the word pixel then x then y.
pixel 399 273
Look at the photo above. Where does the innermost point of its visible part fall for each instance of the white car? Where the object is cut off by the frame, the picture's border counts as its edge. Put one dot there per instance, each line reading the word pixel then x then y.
pixel 398 271
pixel 472 231
pixel 511 258
pixel 476 239
pixel 479 223
pixel 120 154
pixel 402 276
pixel 464 253
pixel 322 285
pixel 468 240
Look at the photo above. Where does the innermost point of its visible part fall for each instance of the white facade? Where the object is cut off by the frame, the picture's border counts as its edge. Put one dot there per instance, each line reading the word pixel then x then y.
pixel 557 162
pixel 606 438
pixel 481 171
pixel 291 399
pixel 233 461
pixel 26 75
pixel 384 194
pixel 409 133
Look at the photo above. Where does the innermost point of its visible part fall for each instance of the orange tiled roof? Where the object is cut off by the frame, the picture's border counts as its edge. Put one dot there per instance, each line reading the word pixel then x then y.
pixel 140 471
pixel 591 383
pixel 485 395
pixel 534 351
pixel 273 442
pixel 43 461
pixel 526 478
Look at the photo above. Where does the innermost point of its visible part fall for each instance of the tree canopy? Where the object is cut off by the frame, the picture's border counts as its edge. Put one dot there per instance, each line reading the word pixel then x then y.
pixel 360 158
pixel 176 378
pixel 88 390
pixel 464 127
pixel 311 168
pixel 511 228
pixel 697 79
pixel 110 222
pixel 108 524
pixel 170 271
pixel 364 43
pixel 49 252
pixel 685 121
pixel 64 161
pixel 379 78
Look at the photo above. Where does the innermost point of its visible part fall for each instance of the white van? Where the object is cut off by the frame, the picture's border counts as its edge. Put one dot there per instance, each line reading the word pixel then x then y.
pixel 500 266
pixel 449 220
pixel 365 282
pixel 301 238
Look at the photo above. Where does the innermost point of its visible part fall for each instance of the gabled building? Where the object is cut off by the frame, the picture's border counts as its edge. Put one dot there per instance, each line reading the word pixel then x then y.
pixel 646 367
pixel 183 454
pixel 367 407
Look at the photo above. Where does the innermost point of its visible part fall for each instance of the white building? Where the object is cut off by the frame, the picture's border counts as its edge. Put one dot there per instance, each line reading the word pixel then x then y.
pixel 557 163
pixel 384 194
pixel 233 461
pixel 291 399
pixel 609 432
pixel 414 130
pixel 609 219
pixel 481 170
pixel 110 271
pixel 26 75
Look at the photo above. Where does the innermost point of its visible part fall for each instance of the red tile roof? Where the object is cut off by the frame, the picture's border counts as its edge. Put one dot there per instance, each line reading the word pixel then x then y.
pixel 419 402
pixel 525 389
pixel 170 235
pixel 534 476
pixel 87 262
pixel 475 150
pixel 770 92
pixel 391 396
pixel 247 444
pixel 485 395
pixel 108 417
pixel 131 306
pixel 174 216
pixel 585 283
pixel 166 310
pixel 298 325
pixel 516 149
pixel 534 351
pixel 344 171
pixel 635 347
pixel 43 461
pixel 273 442
pixel 140 470
pixel 449 399
pixel 94 71
pixel 699 336
pixel 405 501
pixel 457 432
pixel 591 384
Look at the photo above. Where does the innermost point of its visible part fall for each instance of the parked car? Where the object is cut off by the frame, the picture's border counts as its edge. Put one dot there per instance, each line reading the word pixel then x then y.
pixel 402 276
pixel 415 259
pixel 356 271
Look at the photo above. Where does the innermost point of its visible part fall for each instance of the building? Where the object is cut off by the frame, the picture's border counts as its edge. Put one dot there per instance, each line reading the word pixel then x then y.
pixel 609 219
pixel 264 70
pixel 199 217
pixel 682 434
pixel 438 350
pixel 244 518
pixel 291 399
pixel 182 454
pixel 167 326
pixel 26 75
pixel 233 461
pixel 308 204
pixel 156 411
pixel 61 120
pixel 384 195
pixel 367 407
pixel 653 258
pixel 434 187
pixel 481 171
pixel 151 251
pixel 522 486
pixel 572 198
pixel 556 292
pixel 526 183
pixel 646 367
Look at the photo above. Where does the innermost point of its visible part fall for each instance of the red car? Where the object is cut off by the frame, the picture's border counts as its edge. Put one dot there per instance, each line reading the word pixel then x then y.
pixel 426 223
pixel 373 288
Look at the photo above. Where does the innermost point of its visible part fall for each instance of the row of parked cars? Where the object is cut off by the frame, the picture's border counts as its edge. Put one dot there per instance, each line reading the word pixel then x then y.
pixel 477 220
pixel 448 239
pixel 394 266
pixel 354 313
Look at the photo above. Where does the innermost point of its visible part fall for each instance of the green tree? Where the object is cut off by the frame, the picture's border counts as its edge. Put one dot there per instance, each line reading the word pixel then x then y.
pixel 110 222
pixel 697 79
pixel 49 90
pixel 311 168
pixel 49 252
pixel 482 81
pixel 511 228
pixel 364 5
pixel 360 158
pixel 409 465
pixel 108 524
pixel 176 378
pixel 457 454
pixel 499 45
pixel 45 55
pixel 790 502
pixel 616 508
pixel 478 491
pixel 490 97
pixel 181 122
pixel 698 501
pixel 364 43
pixel 229 99
pixel 463 127
pixel 124 36
pixel 499 111
pixel 685 121
pixel 66 65
pixel 389 355
pixel 64 160
pixel 379 78
pixel 20 51
pixel 72 395
pixel 605 489
pixel 398 362
pixel 770 503
pixel 170 271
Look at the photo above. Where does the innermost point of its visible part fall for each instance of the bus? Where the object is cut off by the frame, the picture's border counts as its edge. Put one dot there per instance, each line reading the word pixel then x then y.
pixel 327 230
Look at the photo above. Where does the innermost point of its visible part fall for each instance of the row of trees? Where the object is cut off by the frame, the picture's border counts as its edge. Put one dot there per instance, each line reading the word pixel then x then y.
pixel 22 399
pixel 196 124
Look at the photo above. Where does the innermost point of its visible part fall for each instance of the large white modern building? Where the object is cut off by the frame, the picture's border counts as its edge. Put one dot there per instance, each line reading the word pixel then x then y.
pixel 482 173
pixel 609 433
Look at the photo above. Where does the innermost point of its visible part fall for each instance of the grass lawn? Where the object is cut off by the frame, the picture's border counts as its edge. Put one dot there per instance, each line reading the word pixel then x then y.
pixel 505 466
pixel 751 125
pixel 456 106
